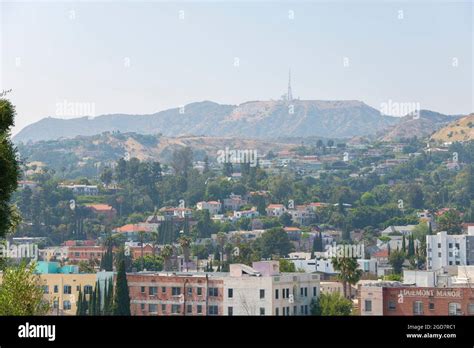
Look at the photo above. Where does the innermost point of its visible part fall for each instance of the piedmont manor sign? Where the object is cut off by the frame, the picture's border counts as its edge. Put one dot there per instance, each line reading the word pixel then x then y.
pixel 431 293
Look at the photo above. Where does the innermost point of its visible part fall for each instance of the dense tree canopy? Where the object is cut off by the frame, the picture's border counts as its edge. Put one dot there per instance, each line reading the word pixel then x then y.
pixel 9 171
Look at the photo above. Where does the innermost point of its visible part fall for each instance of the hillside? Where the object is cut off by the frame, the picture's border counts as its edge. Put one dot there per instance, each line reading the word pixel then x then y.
pixel 256 119
pixel 459 130
pixel 106 148
pixel 422 126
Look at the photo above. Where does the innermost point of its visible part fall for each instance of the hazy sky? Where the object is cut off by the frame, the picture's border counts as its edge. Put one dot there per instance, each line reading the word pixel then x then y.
pixel 143 57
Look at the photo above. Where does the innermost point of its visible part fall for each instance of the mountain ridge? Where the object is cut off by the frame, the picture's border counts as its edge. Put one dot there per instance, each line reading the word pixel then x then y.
pixel 252 119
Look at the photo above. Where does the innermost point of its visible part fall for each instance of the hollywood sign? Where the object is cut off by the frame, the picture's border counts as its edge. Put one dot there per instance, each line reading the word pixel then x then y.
pixel 430 293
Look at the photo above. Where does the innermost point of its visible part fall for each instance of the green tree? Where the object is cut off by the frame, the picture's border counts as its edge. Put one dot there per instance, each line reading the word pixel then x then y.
pixel 349 273
pixel 122 296
pixel 286 266
pixel 318 243
pixel 166 254
pixel 9 169
pixel 106 176
pixel 182 161
pixel 332 304
pixel 185 243
pixel 411 246
pixel 21 292
pixel 396 259
pixel 450 222
pixel 285 219
pixel 109 297
pixel 274 241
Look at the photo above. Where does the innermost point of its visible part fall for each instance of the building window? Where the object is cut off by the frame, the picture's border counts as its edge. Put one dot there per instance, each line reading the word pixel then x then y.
pixel 301 309
pixel 55 304
pixel 142 289
pixel 417 308
pixel 175 291
pixel 88 289
pixel 55 289
pixel 457 245
pixel 288 293
pixel 295 310
pixel 78 288
pixel 431 306
pixel 190 291
pixel 305 292
pixel 66 305
pixel 67 289
pixel 45 289
pixel 277 311
pixel 439 254
pixel 450 254
pixel 163 289
pixel 283 293
pixel 213 310
pixel 230 293
pixel 199 291
pixel 199 309
pixel 262 311
pixel 301 292
pixel 153 308
pixel 175 308
pixel 314 291
pixel 439 245
pixel 306 309
pixel 391 305
pixel 262 293
pixel 454 308
pixel 450 245
pixel 213 292
pixel 471 308
pixel 276 294
pixel 152 290
pixel 230 311
pixel 368 305
pixel 189 308
pixel 287 310
pixel 457 263
pixel 163 308
pixel 142 306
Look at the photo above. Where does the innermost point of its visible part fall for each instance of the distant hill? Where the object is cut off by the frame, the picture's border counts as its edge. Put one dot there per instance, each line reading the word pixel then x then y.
pixel 87 152
pixel 255 119
pixel 459 130
pixel 421 125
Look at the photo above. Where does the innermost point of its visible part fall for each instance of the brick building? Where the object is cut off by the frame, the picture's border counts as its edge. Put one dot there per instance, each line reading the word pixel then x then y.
pixel 409 300
pixel 175 293
pixel 258 290
pixel 85 253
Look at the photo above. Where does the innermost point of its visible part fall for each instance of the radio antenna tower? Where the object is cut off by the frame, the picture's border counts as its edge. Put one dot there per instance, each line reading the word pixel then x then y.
pixel 290 94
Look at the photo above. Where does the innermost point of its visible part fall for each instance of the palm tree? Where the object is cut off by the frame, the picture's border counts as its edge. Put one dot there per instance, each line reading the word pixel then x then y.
pixel 349 272
pixel 154 237
pixel 141 237
pixel 185 242
pixel 166 253
pixel 221 239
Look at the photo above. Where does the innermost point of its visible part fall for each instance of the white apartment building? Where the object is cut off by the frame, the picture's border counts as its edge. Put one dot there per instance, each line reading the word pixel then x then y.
pixel 275 210
pixel 214 207
pixel 444 250
pixel 234 202
pixel 324 265
pixel 251 213
pixel 263 290
pixel 89 190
